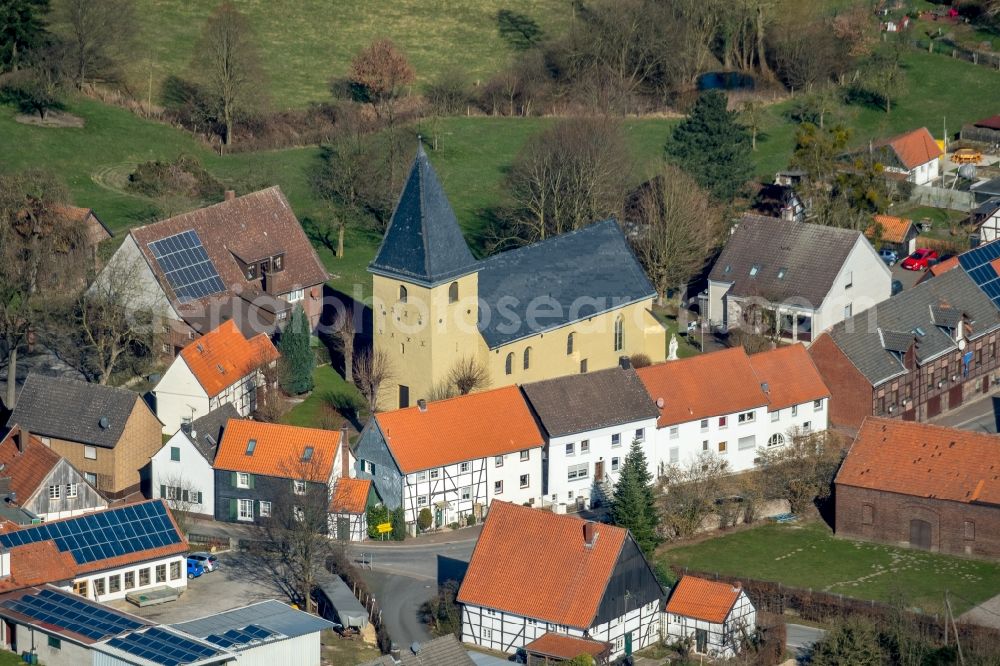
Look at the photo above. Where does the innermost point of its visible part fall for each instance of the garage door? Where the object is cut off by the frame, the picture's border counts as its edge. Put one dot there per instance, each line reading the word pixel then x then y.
pixel 920 534
pixel 934 406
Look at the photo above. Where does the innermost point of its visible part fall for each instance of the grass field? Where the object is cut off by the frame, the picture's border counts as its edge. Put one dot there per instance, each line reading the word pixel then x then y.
pixel 306 43
pixel 329 388
pixel 809 556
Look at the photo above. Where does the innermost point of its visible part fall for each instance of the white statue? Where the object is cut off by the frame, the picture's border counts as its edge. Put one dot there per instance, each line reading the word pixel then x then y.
pixel 672 355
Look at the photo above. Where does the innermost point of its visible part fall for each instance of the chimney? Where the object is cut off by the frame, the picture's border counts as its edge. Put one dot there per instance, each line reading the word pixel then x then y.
pixel 21 439
pixel 230 195
pixel 345 453
pixel 625 362
pixel 422 405
pixel 589 535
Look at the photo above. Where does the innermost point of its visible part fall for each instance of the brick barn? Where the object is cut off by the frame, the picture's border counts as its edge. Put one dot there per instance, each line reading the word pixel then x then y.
pixel 922 486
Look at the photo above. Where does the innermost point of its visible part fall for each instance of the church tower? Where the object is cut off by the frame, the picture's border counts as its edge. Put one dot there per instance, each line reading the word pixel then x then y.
pixel 425 291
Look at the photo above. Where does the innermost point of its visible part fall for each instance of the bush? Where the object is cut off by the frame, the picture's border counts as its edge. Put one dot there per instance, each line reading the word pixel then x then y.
pixel 640 360
pixel 32 97
pixel 470 520
pixel 185 176
pixel 398 524
pixel 454 526
pixel 424 519
pixel 377 515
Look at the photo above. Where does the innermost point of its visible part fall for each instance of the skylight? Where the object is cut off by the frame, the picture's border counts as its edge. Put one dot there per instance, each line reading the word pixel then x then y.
pixel 251 445
pixel 781 273
pixel 754 270
pixel 307 454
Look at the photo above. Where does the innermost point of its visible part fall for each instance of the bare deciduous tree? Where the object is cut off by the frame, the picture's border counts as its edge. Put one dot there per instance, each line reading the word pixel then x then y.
pixel 42 258
pixel 469 374
pixel 291 546
pixel 372 370
pixel 347 329
pixel 571 175
pixel 182 496
pixel 802 469
pixel 227 61
pixel 677 227
pixel 270 401
pixel 689 492
pixel 380 74
pixel 100 36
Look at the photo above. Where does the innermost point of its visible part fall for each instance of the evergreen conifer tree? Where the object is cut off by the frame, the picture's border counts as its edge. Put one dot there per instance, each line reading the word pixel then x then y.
pixel 633 505
pixel 713 147
pixel 297 359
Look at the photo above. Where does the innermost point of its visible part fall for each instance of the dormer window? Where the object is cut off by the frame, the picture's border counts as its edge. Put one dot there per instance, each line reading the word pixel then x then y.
pixel 278 263
pixel 251 271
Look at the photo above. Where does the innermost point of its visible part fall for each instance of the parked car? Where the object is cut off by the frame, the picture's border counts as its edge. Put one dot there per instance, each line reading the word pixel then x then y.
pixel 208 561
pixel 897 287
pixel 194 569
pixel 890 257
pixel 919 260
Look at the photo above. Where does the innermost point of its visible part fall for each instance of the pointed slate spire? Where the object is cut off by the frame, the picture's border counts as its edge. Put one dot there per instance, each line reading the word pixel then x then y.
pixel 423 243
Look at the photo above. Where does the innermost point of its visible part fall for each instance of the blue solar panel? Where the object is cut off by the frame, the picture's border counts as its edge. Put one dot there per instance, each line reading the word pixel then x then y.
pixel 237 637
pixel 162 647
pixel 63 610
pixel 977 264
pixel 103 535
pixel 187 266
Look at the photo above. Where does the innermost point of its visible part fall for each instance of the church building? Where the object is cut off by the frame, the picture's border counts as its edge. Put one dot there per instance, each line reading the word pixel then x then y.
pixel 568 304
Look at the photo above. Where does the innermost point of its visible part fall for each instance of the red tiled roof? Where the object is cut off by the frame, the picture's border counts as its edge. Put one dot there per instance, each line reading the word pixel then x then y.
pixel 350 495
pixel 790 375
pixel 36 564
pixel 703 386
pixel 477 425
pixel 701 599
pixel 559 579
pixel 279 450
pixel 924 460
pixel 25 469
pixel 562 646
pixel 944 266
pixel 252 227
pixel 993 122
pixel 224 356
pixel 894 229
pixel 913 148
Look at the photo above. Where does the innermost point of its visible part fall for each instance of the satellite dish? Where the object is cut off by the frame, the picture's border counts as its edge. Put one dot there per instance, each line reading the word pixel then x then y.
pixel 967 171
pixel 104 423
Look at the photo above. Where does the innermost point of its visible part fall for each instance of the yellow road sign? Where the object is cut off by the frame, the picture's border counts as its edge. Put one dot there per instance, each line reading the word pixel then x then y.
pixel 384 527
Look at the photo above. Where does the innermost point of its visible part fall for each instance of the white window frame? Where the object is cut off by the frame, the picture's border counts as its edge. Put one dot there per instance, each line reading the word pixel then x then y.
pixel 746 417
pixel 777 439
pixel 570 449
pixel 498 461
pixel 675 432
pixel 615 464
pixel 795 410
pixel 616 440
pixel 55 492
pixel 675 454
pixel 422 500
pixel 818 405
pixel 525 455
pixel 703 425
pixel 463 467
pixel 525 480
pixel 775 416
pixel 465 493
pixel 578 472
pixel 241 512
pixel 746 443
pixel 498 487
pixel 296 295
pixel 640 434
pixel 584 446
pixel 90 452
pixel 242 480
pixel 723 422
pixel 265 508
pixel 72 490
pixel 298 486
pixel 435 473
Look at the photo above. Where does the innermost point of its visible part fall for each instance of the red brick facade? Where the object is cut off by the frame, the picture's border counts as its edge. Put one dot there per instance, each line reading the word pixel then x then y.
pixel 921 394
pixel 954 527
pixel 850 392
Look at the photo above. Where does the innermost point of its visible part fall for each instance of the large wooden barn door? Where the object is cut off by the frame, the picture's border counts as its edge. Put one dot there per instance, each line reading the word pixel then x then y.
pixel 933 406
pixel 955 397
pixel 920 534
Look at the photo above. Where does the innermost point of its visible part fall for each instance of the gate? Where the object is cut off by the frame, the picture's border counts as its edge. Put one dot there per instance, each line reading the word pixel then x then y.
pixel 955 397
pixel 933 406
pixel 920 534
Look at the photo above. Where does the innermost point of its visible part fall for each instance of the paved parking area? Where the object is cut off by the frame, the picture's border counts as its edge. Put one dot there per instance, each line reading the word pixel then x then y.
pixel 908 278
pixel 229 587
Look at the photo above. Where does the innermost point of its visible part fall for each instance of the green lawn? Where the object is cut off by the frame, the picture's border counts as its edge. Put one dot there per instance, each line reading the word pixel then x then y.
pixel 809 556
pixel 306 43
pixel 9 659
pixel 330 387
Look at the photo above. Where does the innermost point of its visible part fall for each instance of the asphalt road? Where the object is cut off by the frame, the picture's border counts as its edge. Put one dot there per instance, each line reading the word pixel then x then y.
pixel 404 576
pixel 801 638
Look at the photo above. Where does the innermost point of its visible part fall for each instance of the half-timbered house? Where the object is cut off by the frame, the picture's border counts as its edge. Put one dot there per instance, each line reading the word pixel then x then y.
pixel 714 616
pixel 349 508
pixel 593 582
pixel 454 456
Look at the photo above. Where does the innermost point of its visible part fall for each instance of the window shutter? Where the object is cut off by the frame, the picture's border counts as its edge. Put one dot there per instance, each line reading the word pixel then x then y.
pixel 184 495
pixel 232 508
pixel 232 479
pixel 250 480
pixel 163 491
pixel 199 497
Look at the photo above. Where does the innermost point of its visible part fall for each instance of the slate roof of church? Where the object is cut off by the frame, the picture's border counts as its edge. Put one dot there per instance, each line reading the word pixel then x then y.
pixel 566 278
pixel 423 243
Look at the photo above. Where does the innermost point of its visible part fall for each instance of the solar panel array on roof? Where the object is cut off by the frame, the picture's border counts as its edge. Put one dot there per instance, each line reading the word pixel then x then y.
pixel 163 647
pixel 62 610
pixel 977 264
pixel 186 265
pixel 239 637
pixel 105 534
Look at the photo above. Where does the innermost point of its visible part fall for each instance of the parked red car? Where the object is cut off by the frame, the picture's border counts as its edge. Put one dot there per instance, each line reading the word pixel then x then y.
pixel 919 260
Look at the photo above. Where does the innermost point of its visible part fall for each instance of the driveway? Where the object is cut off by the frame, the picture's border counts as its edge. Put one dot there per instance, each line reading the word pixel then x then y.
pixel 908 278
pixel 210 593
pixel 404 576
pixel 800 639
pixel 986 614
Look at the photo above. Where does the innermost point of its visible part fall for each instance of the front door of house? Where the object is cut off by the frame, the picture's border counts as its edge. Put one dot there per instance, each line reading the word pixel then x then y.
pixel 933 406
pixel 910 415
pixel 628 643
pixel 920 534
pixel 955 397
pixel 701 640
pixel 343 528
pixel 10 629
pixel 599 471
